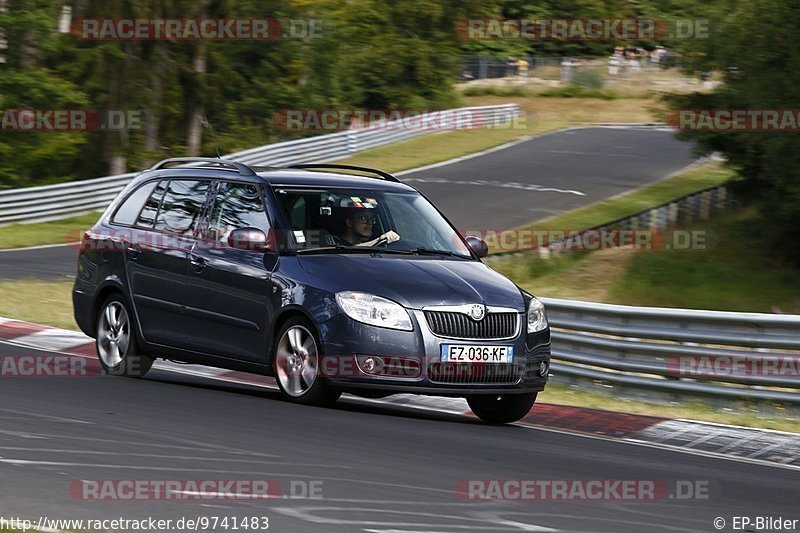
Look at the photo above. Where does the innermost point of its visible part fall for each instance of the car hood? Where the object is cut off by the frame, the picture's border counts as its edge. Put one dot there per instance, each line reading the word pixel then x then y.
pixel 415 282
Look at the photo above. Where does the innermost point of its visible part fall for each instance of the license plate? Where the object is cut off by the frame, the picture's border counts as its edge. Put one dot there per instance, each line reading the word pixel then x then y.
pixel 461 353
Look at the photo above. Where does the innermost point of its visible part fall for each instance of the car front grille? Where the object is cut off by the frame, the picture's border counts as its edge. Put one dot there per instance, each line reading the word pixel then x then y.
pixel 473 373
pixel 460 326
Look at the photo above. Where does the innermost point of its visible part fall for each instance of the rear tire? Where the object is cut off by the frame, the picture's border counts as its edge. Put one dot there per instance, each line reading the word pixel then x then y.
pixel 297 368
pixel 501 409
pixel 116 342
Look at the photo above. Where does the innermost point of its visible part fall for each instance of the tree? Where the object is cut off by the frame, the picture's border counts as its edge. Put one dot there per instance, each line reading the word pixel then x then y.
pixel 27 84
pixel 755 46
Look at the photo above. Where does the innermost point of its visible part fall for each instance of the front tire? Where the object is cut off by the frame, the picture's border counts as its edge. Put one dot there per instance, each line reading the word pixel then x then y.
pixel 501 409
pixel 297 365
pixel 116 342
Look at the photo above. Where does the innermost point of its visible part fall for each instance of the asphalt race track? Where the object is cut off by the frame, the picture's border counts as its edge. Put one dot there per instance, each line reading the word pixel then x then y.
pixel 550 174
pixel 377 468
pixel 501 189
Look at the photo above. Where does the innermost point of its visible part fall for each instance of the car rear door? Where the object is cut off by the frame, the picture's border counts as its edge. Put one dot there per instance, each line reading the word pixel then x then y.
pixel 157 258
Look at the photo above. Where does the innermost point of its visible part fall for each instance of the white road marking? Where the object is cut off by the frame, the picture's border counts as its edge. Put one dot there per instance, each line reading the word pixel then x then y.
pixel 231 495
pixel 597 154
pixel 21 434
pixel 149 455
pixel 500 184
pixel 307 514
pixel 40 247
pixel 139 444
pixel 46 417
pixel 28 462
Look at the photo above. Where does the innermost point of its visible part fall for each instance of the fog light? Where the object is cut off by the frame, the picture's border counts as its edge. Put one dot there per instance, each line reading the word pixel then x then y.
pixel 372 365
pixel 543 368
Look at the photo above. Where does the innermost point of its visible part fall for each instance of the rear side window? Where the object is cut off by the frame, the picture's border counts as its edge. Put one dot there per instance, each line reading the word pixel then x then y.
pixel 181 207
pixel 237 205
pixel 148 215
pixel 128 211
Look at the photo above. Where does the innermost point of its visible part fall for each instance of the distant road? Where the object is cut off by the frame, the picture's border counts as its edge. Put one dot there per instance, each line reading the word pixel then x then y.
pixel 501 189
pixel 550 174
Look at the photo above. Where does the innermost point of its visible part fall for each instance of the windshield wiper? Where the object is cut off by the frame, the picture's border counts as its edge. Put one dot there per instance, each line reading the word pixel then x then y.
pixel 428 251
pixel 360 249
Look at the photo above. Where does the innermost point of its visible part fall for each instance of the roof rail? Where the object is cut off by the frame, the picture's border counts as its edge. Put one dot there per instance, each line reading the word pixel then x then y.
pixel 333 166
pixel 243 169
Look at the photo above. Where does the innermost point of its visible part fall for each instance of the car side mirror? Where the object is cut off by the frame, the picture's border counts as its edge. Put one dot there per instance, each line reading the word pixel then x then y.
pixel 252 239
pixel 478 246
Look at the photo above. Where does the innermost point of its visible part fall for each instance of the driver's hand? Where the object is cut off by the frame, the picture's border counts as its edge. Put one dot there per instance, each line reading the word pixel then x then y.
pixel 390 237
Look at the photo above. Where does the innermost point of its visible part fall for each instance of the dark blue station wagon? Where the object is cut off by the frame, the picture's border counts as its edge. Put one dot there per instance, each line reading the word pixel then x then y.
pixel 331 278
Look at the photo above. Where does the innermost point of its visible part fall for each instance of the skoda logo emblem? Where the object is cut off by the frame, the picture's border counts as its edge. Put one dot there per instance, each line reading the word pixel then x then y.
pixel 477 312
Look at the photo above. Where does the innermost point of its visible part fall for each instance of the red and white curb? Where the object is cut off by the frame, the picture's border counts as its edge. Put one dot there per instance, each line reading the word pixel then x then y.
pixel 761 446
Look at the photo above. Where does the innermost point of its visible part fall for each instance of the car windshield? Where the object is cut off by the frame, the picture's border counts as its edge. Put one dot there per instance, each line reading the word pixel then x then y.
pixel 324 219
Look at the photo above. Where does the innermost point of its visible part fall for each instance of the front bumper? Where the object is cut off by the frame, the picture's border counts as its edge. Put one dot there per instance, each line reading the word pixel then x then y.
pixel 346 343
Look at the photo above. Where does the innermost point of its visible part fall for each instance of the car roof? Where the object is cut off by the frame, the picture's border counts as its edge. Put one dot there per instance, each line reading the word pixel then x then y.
pixel 281 177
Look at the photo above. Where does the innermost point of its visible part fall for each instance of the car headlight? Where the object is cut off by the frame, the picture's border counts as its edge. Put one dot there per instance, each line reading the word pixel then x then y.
pixel 537 319
pixel 374 310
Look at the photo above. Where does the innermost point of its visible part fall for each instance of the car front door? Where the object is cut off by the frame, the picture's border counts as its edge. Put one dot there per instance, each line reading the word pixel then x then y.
pixel 231 290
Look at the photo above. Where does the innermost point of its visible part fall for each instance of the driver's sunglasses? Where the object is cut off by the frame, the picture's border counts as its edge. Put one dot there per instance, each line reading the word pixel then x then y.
pixel 366 219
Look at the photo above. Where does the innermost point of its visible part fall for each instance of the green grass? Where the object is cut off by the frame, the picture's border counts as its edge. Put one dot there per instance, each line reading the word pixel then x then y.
pixel 497 90
pixel 576 91
pixel 735 274
pixel 42 302
pixel 55 232
pixel 558 393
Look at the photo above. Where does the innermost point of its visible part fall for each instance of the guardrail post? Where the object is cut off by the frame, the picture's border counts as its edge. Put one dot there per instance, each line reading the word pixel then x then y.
pixel 705 204
pixel 673 213
pixel 352 142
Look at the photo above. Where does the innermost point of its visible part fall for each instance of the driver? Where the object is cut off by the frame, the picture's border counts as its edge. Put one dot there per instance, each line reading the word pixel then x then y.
pixel 358 230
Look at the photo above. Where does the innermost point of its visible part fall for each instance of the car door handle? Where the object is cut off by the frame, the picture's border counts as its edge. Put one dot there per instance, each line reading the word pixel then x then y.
pixel 198 263
pixel 134 250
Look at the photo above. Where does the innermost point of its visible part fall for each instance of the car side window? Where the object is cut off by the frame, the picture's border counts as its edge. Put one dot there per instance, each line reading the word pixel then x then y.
pixel 183 202
pixel 128 211
pixel 237 205
pixel 147 216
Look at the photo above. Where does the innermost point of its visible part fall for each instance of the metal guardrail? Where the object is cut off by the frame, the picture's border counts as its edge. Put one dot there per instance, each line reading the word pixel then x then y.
pixel 53 202
pixel 728 355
